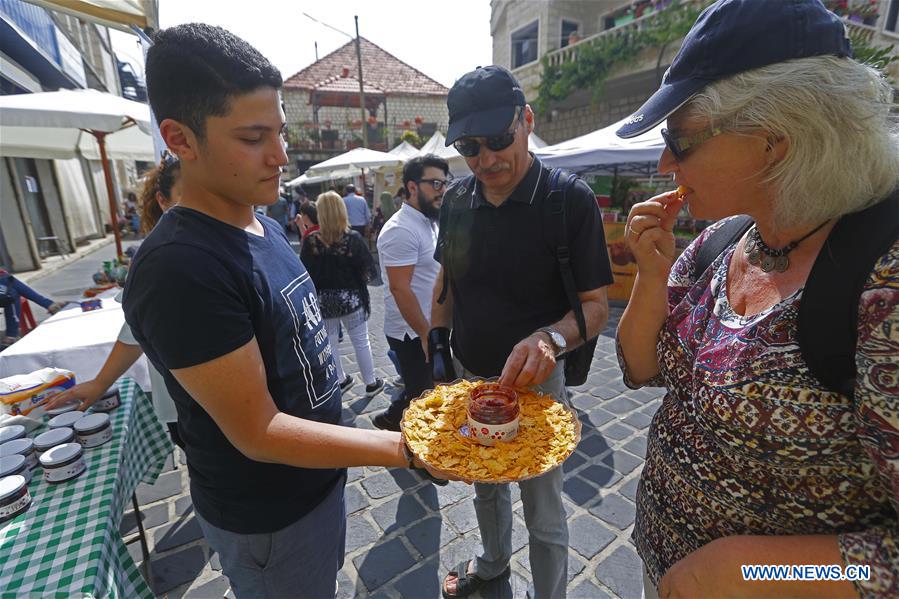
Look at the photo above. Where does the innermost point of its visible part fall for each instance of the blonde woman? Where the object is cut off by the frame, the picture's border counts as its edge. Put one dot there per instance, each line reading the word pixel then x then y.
pixel 340 264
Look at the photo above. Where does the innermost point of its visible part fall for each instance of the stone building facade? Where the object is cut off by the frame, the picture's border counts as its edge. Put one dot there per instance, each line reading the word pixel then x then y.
pixel 322 102
pixel 524 32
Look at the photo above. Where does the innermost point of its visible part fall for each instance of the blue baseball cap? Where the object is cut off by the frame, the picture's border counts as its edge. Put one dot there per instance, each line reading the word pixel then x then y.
pixel 732 36
pixel 482 103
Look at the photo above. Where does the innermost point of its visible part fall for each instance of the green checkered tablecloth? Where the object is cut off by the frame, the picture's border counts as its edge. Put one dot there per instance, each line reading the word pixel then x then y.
pixel 68 542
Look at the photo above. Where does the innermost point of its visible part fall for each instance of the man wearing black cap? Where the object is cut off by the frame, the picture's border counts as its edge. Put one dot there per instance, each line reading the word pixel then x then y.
pixel 501 291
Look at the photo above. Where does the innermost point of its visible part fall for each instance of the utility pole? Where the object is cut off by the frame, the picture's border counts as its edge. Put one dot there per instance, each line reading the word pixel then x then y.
pixel 361 86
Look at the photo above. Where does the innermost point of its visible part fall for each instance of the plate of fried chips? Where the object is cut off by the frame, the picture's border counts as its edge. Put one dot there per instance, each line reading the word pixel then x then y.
pixel 435 426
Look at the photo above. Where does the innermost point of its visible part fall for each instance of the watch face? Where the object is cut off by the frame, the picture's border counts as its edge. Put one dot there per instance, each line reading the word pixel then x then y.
pixel 559 340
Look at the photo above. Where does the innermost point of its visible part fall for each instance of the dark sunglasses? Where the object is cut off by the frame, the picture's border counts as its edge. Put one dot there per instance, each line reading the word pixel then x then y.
pixel 470 148
pixel 437 184
pixel 679 146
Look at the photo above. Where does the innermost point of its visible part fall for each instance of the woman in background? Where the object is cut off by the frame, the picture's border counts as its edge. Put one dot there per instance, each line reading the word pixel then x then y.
pixel 161 191
pixel 340 264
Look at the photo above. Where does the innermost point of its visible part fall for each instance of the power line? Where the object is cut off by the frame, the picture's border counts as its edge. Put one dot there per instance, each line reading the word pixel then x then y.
pixel 308 16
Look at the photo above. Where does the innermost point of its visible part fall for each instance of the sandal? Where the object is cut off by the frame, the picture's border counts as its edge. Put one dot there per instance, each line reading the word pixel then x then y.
pixel 466 583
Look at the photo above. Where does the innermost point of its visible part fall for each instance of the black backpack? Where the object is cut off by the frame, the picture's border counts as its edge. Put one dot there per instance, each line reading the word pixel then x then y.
pixel 828 312
pixel 578 360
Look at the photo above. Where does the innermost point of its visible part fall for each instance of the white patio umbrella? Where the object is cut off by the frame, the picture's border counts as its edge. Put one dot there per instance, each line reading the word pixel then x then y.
pixel 120 14
pixel 305 179
pixel 360 158
pixel 53 144
pixel 69 113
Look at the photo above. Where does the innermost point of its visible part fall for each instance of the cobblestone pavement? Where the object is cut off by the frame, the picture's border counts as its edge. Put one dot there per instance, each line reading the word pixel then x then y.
pixel 403 533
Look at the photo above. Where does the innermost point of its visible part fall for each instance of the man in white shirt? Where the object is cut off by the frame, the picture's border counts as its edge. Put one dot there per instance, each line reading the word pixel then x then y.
pixel 406 251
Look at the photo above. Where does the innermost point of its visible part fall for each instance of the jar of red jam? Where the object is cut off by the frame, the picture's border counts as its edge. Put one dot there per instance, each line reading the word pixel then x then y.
pixel 493 413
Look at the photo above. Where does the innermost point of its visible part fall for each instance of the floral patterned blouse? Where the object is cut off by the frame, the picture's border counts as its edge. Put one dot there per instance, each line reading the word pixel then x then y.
pixel 748 442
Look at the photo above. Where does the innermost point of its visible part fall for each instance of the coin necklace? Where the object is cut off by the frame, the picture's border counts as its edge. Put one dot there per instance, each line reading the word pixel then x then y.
pixel 767 258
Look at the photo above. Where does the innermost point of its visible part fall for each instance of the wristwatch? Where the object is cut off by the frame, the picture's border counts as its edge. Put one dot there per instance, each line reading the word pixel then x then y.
pixel 560 346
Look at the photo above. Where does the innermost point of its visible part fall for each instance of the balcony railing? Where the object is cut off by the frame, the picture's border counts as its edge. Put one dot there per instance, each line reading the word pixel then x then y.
pixel 570 53
pixel 860 30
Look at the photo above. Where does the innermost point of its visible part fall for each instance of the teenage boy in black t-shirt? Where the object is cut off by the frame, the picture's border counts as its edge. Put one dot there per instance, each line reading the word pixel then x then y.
pixel 222 306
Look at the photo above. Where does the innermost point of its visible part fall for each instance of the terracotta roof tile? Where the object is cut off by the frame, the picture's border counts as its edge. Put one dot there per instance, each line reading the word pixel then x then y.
pixel 346 84
pixel 381 70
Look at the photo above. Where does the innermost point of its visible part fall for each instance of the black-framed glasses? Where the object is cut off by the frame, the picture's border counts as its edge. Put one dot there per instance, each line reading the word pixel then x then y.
pixel 470 147
pixel 437 184
pixel 679 146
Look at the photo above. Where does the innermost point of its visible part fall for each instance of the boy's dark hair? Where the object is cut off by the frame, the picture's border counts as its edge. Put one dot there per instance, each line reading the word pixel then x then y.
pixel 349 189
pixel 193 70
pixel 415 168
pixel 309 211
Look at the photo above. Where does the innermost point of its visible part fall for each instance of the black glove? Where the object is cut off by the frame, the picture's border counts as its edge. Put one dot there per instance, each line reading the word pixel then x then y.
pixel 439 355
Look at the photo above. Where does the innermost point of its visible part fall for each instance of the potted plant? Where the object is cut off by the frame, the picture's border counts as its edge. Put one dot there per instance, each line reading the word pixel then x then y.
pixel 863 11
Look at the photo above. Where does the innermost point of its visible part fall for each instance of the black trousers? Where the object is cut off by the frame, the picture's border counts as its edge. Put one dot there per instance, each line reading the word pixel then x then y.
pixel 416 372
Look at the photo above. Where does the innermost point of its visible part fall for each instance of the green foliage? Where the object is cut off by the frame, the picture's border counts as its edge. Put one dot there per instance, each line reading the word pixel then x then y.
pixel 597 58
pixel 878 57
pixel 621 186
pixel 411 137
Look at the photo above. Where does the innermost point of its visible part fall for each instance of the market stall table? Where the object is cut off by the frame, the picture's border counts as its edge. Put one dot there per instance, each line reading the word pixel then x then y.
pixel 74 340
pixel 68 542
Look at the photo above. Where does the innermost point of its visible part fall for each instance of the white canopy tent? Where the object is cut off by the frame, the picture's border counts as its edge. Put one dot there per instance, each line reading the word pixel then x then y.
pixel 62 118
pixel 603 150
pixel 350 164
pixel 437 145
pixel 405 151
pixel 535 142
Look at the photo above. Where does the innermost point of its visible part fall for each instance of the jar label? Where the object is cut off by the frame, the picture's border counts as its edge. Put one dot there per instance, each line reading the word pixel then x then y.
pixel 9 510
pixel 106 405
pixel 56 475
pixel 96 439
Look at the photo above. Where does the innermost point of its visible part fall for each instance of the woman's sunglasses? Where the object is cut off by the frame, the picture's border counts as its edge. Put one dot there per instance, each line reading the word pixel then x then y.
pixel 679 146
pixel 470 148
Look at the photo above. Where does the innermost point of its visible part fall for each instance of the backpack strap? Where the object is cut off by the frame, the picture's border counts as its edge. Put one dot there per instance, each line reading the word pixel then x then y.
pixel 828 314
pixel 559 236
pixel 449 220
pixel 718 241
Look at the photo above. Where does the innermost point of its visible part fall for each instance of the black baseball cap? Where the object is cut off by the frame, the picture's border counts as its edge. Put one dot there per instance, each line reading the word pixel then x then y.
pixel 732 36
pixel 482 103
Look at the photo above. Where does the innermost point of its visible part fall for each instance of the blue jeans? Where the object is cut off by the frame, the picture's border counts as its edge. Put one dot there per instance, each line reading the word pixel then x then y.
pixel 14 289
pixel 301 560
pixel 396 362
pixel 544 516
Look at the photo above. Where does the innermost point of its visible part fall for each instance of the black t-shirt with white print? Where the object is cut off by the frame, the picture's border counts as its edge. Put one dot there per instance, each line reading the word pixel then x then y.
pixel 199 289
